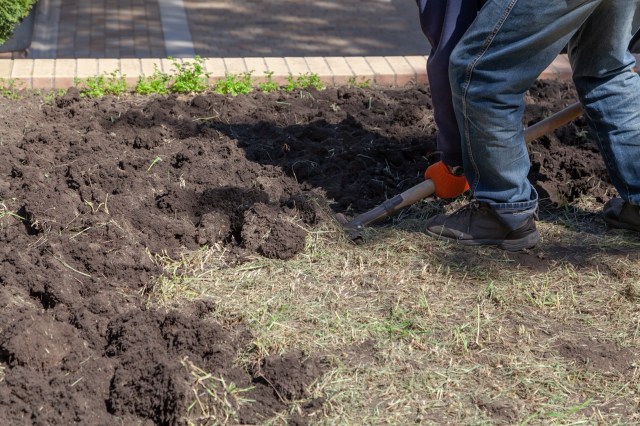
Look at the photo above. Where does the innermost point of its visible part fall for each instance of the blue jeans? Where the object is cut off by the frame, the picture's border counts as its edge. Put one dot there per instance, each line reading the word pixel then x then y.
pixel 444 22
pixel 508 45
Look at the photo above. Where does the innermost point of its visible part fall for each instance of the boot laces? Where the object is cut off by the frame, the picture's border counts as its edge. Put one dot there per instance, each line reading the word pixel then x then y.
pixel 469 208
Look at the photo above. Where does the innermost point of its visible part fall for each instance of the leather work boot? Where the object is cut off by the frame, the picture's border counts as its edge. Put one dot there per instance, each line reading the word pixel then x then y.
pixel 478 224
pixel 621 214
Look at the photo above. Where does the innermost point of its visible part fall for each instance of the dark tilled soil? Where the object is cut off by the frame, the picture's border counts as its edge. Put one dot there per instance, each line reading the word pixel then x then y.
pixel 91 190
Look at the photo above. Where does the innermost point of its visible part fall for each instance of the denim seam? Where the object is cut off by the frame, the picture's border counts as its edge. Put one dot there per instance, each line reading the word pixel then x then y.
pixel 467 81
pixel 514 206
pixel 520 205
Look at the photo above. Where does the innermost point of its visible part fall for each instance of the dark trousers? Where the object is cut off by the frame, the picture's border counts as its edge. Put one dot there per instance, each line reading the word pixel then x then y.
pixel 444 22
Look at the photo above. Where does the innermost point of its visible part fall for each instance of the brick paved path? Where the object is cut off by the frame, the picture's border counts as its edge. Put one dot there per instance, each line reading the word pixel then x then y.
pixel 226 28
pixel 305 28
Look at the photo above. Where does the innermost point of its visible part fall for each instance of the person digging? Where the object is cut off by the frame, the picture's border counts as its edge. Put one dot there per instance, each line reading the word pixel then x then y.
pixel 507 45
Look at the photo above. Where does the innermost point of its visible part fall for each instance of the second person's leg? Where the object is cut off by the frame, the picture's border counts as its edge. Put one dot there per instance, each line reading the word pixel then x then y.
pixel 444 22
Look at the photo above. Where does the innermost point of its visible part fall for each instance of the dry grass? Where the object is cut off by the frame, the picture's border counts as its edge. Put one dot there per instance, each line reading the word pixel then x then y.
pixel 7 212
pixel 417 330
pixel 215 401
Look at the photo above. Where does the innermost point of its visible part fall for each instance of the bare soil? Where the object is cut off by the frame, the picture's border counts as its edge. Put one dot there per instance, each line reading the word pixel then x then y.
pixel 95 191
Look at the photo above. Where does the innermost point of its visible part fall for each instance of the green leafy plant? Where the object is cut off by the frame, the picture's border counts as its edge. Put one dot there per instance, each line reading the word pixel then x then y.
pixel 10 89
pixel 12 12
pixel 157 83
pixel 190 76
pixel 102 85
pixel 291 84
pixel 48 96
pixel 268 85
pixel 234 85
pixel 303 81
pixel 364 83
pixel 307 80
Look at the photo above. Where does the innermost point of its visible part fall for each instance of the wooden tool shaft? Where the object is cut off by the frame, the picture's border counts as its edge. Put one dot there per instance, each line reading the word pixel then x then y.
pixel 393 205
pixel 550 124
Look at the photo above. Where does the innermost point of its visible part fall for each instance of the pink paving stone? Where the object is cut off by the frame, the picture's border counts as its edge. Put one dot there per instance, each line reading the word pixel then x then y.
pixel 257 68
pixel 43 70
pixel 419 65
pixel 86 68
pixel 279 68
pixel 215 68
pixel 360 67
pixel 297 66
pixel 22 71
pixel 405 73
pixel 235 65
pixel 383 72
pixel 60 73
pixel 563 66
pixel 5 69
pixel 64 74
pixel 167 65
pixel 147 66
pixel 339 69
pixel 551 73
pixel 319 66
pixel 132 70
pixel 559 69
pixel 107 66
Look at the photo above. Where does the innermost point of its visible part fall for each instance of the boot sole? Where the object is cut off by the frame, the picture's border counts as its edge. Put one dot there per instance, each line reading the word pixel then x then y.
pixel 620 225
pixel 523 243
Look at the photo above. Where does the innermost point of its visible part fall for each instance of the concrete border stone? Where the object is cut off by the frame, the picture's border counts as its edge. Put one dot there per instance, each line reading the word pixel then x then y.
pixel 382 70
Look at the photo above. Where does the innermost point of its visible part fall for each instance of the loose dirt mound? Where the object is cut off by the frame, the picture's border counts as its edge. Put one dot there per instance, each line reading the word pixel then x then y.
pixel 92 190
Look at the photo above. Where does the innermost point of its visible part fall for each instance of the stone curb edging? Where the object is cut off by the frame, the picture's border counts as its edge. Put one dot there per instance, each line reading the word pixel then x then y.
pixel 380 70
